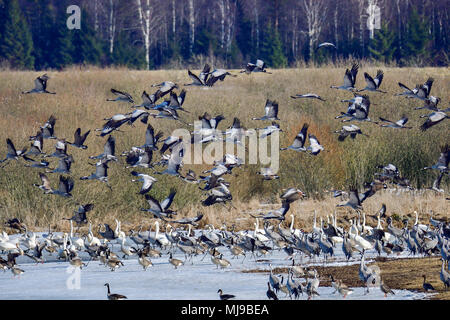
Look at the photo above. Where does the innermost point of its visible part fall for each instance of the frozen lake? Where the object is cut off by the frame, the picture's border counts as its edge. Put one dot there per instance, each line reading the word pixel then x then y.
pixel 198 281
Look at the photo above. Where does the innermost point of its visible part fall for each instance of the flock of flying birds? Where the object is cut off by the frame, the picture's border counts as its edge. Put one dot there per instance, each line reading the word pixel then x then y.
pixel 172 148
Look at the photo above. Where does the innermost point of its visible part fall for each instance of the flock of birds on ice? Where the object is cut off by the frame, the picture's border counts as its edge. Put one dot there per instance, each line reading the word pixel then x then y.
pixel 429 239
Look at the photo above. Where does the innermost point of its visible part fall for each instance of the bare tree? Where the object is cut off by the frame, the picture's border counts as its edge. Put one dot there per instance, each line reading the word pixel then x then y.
pixel 191 26
pixel 316 15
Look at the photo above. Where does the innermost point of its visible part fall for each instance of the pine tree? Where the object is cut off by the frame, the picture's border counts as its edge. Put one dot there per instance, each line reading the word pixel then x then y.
pixel 382 46
pixel 86 47
pixel 417 37
pixel 16 44
pixel 127 55
pixel 42 26
pixel 61 54
pixel 272 48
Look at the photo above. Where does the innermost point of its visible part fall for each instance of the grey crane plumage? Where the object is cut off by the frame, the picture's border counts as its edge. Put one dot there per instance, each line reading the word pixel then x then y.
pixel 146 179
pixel 308 96
pixel 351 131
pixel 121 96
pixel 433 119
pixel 299 141
pixel 201 79
pixel 109 150
pixel 349 78
pixel 373 84
pixel 400 124
pixel 217 74
pixel 65 185
pixel 270 111
pixel 79 139
pixel 40 85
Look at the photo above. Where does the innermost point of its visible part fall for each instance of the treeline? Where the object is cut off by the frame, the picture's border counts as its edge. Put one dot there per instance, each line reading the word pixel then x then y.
pixel 154 34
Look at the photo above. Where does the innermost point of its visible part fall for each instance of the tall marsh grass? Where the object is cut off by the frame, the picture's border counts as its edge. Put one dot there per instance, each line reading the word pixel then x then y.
pixel 81 102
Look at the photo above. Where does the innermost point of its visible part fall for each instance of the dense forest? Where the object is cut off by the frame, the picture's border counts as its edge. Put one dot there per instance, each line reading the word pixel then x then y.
pixel 158 34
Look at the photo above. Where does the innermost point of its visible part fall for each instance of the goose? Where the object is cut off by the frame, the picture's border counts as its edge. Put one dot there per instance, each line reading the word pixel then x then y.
pixel 400 124
pixel 140 158
pixel 299 141
pixel 259 66
pixel 308 96
pixel 64 189
pixel 76 261
pixel 344 292
pixel 143 261
pixel 373 84
pixel 114 296
pixel 12 153
pixel 151 140
pixel 445 275
pixel 164 88
pixel 433 119
pixel 426 285
pixel 270 111
pixel 146 179
pixel 113 262
pixel 15 224
pixel 100 174
pixel 201 79
pixel 121 96
pixel 79 139
pixel 267 131
pixel 127 251
pixel 217 74
pixel 223 296
pixel 17 271
pixel 148 101
pixel 351 131
pixel 268 174
pixel 385 289
pixel 40 85
pixel 314 147
pixel 349 79
pixel 175 262
pixel 270 294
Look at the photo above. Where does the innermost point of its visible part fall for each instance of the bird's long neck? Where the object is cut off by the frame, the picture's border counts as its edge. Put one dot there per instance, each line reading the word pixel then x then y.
pixel 107 286
pixel 292 223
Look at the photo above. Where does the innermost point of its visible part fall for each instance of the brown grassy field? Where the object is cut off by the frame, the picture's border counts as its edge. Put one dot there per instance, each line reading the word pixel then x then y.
pixel 81 102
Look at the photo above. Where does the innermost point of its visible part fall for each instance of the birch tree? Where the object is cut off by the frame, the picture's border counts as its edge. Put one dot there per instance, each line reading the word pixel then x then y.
pixel 315 12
